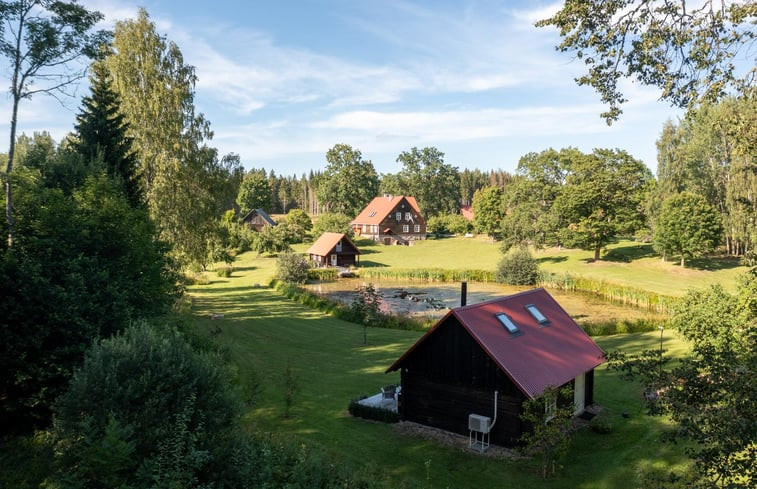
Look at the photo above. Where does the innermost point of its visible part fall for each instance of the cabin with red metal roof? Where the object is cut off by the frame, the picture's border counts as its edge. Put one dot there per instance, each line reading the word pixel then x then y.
pixel 391 219
pixel 334 249
pixel 517 345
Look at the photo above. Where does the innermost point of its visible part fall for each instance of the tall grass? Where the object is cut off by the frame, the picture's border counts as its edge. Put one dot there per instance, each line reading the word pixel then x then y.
pixel 428 274
pixel 619 294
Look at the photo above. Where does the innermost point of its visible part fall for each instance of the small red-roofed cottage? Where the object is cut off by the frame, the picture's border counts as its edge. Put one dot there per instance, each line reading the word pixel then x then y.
pixel 517 345
pixel 391 219
pixel 334 249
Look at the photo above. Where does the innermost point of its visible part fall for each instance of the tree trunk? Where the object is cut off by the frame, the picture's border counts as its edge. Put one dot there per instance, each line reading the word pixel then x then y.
pixel 8 170
pixel 597 249
pixel 683 262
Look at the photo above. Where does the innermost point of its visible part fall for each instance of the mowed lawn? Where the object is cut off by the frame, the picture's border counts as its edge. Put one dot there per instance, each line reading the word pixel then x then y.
pixel 626 262
pixel 264 332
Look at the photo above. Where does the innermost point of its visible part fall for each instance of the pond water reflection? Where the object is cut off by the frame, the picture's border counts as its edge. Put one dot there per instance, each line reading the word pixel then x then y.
pixel 434 299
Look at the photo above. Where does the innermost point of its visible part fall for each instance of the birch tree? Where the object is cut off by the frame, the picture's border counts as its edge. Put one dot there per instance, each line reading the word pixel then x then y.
pixel 42 40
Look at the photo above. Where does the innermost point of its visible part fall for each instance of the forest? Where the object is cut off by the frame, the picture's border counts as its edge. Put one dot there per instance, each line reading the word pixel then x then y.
pixel 106 228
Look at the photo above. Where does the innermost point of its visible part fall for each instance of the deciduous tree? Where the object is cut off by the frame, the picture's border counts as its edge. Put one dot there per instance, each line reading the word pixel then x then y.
pixel 488 211
pixel 687 226
pixel 689 51
pixel 602 198
pixel 42 40
pixel 349 182
pixel 254 192
pixel 433 183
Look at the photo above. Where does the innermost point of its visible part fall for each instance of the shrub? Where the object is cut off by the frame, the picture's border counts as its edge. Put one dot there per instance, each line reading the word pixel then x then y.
pixel 601 424
pixel 147 409
pixel 323 274
pixel 518 268
pixel 224 271
pixel 292 268
pixel 372 412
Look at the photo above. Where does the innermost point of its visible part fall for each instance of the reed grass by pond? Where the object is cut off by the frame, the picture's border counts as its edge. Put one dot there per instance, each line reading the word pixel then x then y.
pixel 433 299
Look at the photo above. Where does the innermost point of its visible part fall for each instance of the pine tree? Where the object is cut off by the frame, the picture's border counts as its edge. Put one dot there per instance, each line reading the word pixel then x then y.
pixel 102 137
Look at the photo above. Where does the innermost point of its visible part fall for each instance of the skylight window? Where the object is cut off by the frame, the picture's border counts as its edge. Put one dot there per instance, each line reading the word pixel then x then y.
pixel 372 214
pixel 537 314
pixel 507 322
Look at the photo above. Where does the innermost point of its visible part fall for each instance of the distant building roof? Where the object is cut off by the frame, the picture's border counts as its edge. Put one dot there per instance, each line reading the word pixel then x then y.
pixel 467 212
pixel 529 336
pixel 327 241
pixel 377 210
pixel 261 213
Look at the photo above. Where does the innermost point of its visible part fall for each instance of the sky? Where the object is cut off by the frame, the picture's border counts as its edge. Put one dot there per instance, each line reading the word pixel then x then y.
pixel 283 81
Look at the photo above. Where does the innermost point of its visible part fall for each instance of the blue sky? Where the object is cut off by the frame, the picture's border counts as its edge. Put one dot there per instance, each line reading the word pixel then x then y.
pixel 283 81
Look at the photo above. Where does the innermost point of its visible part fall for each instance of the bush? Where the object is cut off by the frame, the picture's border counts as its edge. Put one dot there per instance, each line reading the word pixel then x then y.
pixel 371 412
pixel 323 274
pixel 601 424
pixel 334 223
pixel 292 268
pixel 147 409
pixel 224 271
pixel 517 268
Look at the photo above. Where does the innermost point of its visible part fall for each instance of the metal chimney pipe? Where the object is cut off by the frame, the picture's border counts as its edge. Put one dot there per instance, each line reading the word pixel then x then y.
pixel 463 294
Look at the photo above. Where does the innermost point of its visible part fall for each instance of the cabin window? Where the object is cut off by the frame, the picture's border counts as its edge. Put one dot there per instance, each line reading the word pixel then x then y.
pixel 537 314
pixel 550 406
pixel 399 216
pixel 417 228
pixel 339 247
pixel 507 322
pixel 408 217
pixel 405 228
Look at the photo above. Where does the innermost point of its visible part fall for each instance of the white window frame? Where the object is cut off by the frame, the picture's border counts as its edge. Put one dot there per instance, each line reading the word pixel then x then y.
pixel 408 216
pixel 417 228
pixel 405 228
pixel 399 216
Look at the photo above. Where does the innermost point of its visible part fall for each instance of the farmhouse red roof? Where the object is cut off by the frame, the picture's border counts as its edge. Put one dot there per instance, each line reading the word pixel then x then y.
pixel 380 207
pixel 539 355
pixel 327 242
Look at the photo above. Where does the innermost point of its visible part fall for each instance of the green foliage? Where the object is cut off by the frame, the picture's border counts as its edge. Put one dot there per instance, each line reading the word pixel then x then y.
pixel 334 223
pixel 686 51
pixel 43 42
pixel 429 274
pixel 254 192
pixel 186 187
pixel 83 266
pixel 488 211
pixel 224 271
pixel 292 268
pixel 163 413
pixel 687 226
pixel 372 412
pixel 101 135
pixel 449 223
pixel 601 424
pixel 602 198
pixel 271 239
pixel 366 306
pixel 349 182
pixel 517 268
pixel 713 395
pixel 550 419
pixel 434 184
pixel 299 224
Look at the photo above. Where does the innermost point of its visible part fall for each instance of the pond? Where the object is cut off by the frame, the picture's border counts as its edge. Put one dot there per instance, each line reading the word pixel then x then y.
pixel 434 299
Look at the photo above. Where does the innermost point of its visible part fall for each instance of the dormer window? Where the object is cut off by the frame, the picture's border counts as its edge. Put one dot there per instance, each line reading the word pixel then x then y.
pixel 508 323
pixel 537 314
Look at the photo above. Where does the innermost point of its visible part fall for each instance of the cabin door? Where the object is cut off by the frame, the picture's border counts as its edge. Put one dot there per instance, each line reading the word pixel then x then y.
pixel 333 260
pixel 579 393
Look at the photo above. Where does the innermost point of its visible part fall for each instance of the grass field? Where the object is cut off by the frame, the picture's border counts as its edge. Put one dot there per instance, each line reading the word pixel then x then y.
pixel 625 263
pixel 263 332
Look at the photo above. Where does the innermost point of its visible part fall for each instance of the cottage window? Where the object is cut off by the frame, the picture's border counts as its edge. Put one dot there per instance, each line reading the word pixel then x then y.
pixel 399 216
pixel 405 228
pixel 537 314
pixel 507 322
pixel 417 228
pixel 408 217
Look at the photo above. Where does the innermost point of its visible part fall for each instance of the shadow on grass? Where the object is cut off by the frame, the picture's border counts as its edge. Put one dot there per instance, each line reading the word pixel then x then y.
pixel 372 264
pixel 712 264
pixel 627 254
pixel 552 259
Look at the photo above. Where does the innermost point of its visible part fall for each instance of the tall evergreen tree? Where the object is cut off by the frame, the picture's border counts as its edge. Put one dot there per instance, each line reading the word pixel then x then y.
pixel 101 131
